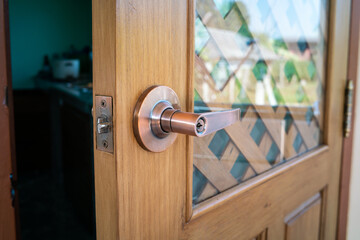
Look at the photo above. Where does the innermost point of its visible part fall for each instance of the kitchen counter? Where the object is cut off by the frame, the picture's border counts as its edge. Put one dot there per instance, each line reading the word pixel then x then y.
pixel 71 127
pixel 70 112
pixel 77 94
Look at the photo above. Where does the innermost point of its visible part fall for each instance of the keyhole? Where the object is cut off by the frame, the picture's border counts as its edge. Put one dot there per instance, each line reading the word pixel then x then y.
pixel 200 125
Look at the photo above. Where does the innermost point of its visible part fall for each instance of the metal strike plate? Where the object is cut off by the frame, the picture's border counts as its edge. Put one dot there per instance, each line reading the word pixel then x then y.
pixel 104 124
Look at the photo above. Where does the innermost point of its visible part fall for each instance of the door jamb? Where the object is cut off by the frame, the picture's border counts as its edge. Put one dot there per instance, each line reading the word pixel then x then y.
pixel 8 94
pixel 348 142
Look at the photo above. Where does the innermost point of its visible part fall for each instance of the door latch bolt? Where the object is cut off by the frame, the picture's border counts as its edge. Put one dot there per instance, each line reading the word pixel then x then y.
pixel 104 124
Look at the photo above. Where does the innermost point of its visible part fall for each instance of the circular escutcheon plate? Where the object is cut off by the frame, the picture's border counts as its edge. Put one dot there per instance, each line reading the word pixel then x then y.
pixel 143 114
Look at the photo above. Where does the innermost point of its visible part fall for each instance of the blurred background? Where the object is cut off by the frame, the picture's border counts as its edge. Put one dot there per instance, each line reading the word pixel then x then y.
pixel 51 60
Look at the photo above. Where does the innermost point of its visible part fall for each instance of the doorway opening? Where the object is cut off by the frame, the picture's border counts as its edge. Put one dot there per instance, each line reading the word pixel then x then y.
pixel 51 58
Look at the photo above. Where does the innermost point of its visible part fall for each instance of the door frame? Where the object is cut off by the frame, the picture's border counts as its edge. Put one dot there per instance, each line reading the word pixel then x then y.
pixel 9 226
pixel 352 72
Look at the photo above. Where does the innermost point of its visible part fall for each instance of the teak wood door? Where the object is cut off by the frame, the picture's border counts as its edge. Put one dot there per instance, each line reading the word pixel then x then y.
pixel 272 175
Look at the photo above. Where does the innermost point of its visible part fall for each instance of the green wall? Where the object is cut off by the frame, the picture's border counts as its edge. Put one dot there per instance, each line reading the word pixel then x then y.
pixel 41 27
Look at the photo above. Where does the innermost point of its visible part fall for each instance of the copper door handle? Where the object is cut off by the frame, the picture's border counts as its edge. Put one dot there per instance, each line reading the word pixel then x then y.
pixel 157 119
pixel 194 124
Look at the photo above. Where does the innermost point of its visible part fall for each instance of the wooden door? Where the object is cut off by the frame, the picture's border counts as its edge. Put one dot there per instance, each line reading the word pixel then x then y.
pixel 7 211
pixel 272 175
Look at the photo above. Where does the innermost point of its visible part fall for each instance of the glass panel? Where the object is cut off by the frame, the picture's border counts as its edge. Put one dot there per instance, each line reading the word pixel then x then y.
pixel 266 57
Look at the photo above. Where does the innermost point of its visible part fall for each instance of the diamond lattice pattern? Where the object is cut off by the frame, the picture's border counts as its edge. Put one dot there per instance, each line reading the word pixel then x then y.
pixel 267 58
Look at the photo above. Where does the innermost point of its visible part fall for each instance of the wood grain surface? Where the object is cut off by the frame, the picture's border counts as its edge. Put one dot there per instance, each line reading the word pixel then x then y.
pixel 143 195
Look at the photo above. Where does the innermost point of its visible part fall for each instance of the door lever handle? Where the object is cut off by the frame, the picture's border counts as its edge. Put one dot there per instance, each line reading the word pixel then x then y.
pixel 158 119
pixel 194 124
